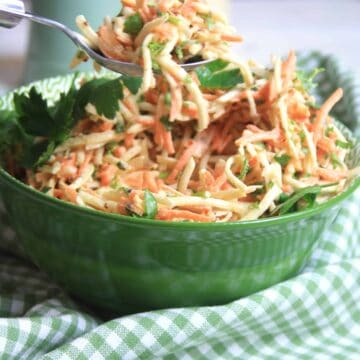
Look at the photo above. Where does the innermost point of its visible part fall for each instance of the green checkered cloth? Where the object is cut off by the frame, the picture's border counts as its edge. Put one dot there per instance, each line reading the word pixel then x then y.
pixel 315 315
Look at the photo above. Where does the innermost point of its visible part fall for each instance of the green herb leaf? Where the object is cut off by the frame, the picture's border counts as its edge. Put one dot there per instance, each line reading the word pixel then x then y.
pixel 201 194
pixel 211 77
pixel 335 161
pixel 133 83
pixel 33 114
pixel 283 197
pixel 165 121
pixel 209 21
pixel 62 113
pixel 35 154
pixel 302 135
pixel 150 205
pixel 283 160
pixel 10 131
pixel 260 190
pixel 174 20
pixel 103 93
pixel 133 24
pixel 307 79
pixel 122 165
pixel 109 147
pixel 329 130
pixel 34 118
pixel 156 48
pixel 105 97
pixel 163 175
pixel 119 128
pixel 344 144
pixel 255 205
pixel 244 170
pixel 307 202
pixel 179 52
pixel 49 148
pixel 289 202
pixel 167 99
pixel 188 79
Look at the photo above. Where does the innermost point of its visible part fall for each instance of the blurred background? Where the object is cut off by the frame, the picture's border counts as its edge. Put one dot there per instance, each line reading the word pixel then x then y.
pixel 29 52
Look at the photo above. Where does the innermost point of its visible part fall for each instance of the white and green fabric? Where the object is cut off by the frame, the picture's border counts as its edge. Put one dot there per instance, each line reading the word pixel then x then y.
pixel 315 315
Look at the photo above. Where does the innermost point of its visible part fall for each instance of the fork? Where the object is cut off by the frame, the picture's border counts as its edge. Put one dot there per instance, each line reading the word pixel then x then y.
pixel 13 11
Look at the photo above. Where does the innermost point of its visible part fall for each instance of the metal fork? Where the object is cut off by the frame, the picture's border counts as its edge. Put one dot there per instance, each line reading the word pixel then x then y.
pixel 13 11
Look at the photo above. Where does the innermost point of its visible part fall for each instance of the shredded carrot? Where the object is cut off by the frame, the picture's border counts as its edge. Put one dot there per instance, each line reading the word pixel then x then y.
pixel 324 112
pixel 135 180
pixel 232 38
pixel 70 193
pixel 150 181
pixel 109 44
pixel 129 140
pixel 288 69
pixel 181 215
pixel 182 161
pixel 119 151
pixel 107 173
pixel 298 111
pixel 168 142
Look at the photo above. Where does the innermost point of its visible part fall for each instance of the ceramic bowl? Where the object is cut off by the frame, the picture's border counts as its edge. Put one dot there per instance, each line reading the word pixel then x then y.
pixel 129 265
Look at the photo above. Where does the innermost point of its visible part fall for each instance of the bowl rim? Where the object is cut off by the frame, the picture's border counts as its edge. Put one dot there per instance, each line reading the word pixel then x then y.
pixel 250 224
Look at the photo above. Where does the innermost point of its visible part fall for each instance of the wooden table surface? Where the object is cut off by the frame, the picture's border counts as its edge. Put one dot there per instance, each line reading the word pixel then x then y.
pixel 269 27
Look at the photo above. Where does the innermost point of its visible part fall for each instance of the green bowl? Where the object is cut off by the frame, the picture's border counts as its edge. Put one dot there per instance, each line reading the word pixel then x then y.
pixel 129 265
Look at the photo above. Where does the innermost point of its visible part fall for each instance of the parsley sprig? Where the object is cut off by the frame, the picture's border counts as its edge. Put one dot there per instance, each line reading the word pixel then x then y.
pixel 214 76
pixel 35 128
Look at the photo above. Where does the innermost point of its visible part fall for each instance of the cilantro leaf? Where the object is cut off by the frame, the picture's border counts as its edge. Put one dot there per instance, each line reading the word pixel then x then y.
pixel 133 83
pixel 62 113
pixel 35 154
pixel 10 132
pixel 105 97
pixel 33 118
pixel 211 77
pixel 33 113
pixel 103 93
pixel 150 205
pixel 47 148
pixel 133 24
pixel 283 160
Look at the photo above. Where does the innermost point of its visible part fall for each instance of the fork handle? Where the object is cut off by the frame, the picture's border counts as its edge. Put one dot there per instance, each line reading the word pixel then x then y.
pixel 10 12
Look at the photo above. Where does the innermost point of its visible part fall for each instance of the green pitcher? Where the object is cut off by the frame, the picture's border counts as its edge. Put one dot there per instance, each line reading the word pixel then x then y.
pixel 50 51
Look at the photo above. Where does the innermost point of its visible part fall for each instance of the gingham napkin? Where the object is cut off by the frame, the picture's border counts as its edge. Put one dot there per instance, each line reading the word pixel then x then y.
pixel 315 315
